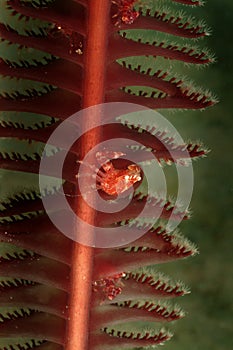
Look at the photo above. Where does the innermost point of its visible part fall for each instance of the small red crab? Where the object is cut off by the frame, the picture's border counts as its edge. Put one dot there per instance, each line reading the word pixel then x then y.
pixel 126 12
pixel 110 286
pixel 115 181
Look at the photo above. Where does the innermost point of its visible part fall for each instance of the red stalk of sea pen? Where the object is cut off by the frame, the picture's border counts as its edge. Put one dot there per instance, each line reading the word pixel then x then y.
pixel 93 94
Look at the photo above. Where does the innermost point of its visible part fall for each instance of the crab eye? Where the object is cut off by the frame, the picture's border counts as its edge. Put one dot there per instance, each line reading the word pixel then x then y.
pixel 132 167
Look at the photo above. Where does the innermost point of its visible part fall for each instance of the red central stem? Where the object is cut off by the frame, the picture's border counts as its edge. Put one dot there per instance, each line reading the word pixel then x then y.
pixel 82 259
